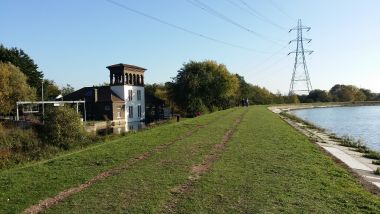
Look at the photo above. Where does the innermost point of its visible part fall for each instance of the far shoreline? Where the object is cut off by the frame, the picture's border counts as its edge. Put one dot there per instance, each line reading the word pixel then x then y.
pixel 277 108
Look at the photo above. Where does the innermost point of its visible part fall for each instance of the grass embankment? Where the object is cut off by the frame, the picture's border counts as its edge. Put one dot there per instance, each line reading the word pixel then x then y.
pixel 266 167
pixel 23 186
pixel 269 167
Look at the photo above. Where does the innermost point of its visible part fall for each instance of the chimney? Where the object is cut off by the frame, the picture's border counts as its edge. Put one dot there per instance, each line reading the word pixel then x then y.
pixel 95 95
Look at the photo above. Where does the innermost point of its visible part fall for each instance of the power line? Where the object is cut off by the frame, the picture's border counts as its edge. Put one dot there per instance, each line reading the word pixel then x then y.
pixel 217 14
pixel 281 10
pixel 182 28
pixel 255 13
pixel 279 51
pixel 270 66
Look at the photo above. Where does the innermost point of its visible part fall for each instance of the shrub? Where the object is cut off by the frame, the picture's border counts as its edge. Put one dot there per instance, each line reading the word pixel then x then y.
pixel 377 171
pixel 17 139
pixel 376 162
pixel 17 145
pixel 21 140
pixel 63 127
pixel 350 142
pixel 373 155
pixel 196 107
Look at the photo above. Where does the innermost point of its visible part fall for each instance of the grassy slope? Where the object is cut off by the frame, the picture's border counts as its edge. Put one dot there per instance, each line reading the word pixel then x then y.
pixel 144 188
pixel 267 167
pixel 24 186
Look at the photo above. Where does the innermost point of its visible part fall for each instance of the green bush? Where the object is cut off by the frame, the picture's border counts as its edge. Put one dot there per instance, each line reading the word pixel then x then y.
pixel 17 145
pixel 350 142
pixel 22 140
pixel 17 139
pixel 376 162
pixel 377 171
pixel 196 107
pixel 63 127
pixel 372 155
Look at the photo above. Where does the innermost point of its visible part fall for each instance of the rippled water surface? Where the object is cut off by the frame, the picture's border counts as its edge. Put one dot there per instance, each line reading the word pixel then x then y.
pixel 360 122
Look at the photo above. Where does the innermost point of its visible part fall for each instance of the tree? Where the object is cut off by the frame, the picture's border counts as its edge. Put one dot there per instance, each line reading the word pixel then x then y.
pixel 158 91
pixel 63 127
pixel 68 89
pixel 346 93
pixel 26 65
pixel 292 99
pixel 243 90
pixel 51 90
pixel 260 95
pixel 319 96
pixel 368 94
pixel 278 98
pixel 203 86
pixel 13 88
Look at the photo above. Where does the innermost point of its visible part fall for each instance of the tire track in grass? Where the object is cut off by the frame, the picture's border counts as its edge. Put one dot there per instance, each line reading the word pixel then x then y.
pixel 199 169
pixel 51 201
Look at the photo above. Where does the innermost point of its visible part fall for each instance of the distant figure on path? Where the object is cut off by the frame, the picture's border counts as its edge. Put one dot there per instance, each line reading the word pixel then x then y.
pixel 244 102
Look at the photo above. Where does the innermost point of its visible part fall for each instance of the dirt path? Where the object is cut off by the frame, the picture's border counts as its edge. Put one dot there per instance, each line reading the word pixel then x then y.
pixel 49 202
pixel 199 169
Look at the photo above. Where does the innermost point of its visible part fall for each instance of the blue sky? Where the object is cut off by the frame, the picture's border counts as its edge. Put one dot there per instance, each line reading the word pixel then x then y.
pixel 73 41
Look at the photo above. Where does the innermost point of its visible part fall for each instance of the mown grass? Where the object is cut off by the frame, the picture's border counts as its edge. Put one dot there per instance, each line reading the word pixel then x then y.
pixel 267 167
pixel 270 168
pixel 146 186
pixel 23 186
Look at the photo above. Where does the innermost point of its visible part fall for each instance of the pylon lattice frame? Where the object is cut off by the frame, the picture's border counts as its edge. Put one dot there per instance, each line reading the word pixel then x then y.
pixel 300 61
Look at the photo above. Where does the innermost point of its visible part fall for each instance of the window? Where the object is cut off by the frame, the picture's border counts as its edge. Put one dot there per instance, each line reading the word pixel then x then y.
pixel 139 111
pixel 130 110
pixel 138 94
pixel 130 95
pixel 118 114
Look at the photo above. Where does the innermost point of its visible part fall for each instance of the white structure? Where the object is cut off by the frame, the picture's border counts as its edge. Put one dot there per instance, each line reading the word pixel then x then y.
pixel 127 83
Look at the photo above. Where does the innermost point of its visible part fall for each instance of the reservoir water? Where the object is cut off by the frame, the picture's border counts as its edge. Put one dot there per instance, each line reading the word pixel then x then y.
pixel 359 122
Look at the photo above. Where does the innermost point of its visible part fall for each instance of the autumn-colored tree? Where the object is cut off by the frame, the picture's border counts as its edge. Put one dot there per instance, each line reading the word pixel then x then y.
pixel 347 93
pixel 25 64
pixel 13 88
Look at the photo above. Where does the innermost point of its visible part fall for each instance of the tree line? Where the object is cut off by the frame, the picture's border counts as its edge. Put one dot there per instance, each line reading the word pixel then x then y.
pixel 21 79
pixel 208 86
pixel 340 93
pixel 198 87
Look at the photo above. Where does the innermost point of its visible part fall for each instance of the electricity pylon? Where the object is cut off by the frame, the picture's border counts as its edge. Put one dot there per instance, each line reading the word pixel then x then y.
pixel 300 75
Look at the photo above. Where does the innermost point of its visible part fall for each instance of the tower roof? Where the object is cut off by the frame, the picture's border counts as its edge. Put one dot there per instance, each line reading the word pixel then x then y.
pixel 124 66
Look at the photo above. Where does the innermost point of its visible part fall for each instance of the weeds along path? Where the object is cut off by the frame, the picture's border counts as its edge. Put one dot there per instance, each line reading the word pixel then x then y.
pixel 51 201
pixel 199 169
pixel 21 187
pixel 145 186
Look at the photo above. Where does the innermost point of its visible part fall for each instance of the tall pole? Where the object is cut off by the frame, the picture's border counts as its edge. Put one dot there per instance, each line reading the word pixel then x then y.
pixel 42 99
pixel 300 59
pixel 17 113
pixel 84 108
